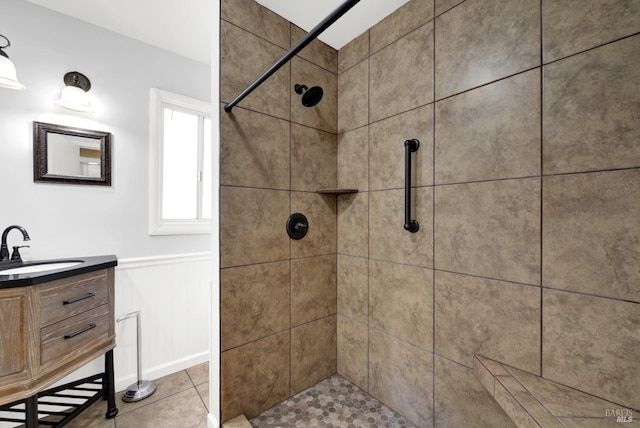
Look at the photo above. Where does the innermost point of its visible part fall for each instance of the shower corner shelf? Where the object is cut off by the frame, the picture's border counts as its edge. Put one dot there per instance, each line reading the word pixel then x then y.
pixel 336 191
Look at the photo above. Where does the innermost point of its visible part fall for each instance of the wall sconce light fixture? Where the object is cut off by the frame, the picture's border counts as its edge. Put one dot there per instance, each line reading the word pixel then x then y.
pixel 8 78
pixel 74 95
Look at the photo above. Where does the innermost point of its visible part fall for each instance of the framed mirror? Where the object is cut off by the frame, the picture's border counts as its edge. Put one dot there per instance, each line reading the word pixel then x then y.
pixel 65 154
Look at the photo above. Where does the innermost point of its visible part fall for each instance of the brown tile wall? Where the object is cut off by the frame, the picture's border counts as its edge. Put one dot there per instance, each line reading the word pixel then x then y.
pixel 526 187
pixel 527 190
pixel 278 296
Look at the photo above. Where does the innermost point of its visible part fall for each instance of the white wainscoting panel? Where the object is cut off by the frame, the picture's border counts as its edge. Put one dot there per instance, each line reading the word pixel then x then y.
pixel 174 294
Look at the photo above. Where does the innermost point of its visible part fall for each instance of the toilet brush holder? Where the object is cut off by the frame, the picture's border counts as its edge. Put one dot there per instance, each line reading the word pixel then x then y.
pixel 142 388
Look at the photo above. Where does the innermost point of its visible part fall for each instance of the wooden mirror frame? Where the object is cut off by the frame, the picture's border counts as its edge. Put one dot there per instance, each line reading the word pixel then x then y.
pixel 40 152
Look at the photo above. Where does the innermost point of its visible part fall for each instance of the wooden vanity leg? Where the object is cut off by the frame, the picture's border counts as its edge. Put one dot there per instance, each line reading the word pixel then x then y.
pixel 110 393
pixel 31 411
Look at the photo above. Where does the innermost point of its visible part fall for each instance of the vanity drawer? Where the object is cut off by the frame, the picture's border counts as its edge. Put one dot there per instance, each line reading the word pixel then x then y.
pixel 66 298
pixel 71 335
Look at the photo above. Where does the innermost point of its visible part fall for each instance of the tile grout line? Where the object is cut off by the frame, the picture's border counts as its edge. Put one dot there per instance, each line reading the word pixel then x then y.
pixel 280 332
pixel 368 203
pixel 266 262
pixel 513 396
pixel 582 293
pixel 398 38
pixel 285 49
pixel 337 163
pixel 272 116
pixel 493 180
pixel 541 183
pixel 628 36
pixel 461 183
pixel 433 226
pixel 257 35
pixel 539 401
pixel 290 211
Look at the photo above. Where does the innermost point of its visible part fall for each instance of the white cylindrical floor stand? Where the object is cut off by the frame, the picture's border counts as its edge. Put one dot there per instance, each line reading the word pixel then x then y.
pixel 142 388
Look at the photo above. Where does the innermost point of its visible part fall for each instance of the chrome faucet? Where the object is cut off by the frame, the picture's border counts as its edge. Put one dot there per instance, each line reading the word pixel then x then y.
pixel 4 250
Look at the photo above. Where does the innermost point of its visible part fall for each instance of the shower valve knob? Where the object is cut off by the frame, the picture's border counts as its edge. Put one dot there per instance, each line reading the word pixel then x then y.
pixel 297 226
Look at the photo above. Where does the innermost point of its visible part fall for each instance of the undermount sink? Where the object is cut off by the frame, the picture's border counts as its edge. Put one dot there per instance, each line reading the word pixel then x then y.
pixel 39 267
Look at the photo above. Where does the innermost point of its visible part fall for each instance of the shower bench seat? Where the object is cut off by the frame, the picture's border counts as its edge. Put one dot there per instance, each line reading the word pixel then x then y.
pixel 533 401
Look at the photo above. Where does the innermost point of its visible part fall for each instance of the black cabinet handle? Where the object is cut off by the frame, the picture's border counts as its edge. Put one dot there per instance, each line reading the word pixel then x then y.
pixel 77 299
pixel 82 330
pixel 410 146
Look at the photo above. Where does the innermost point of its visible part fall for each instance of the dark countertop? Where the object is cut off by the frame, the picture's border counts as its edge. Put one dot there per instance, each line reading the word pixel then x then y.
pixel 88 264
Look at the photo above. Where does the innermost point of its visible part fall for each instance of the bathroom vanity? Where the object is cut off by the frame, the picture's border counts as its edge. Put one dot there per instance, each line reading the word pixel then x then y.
pixel 55 317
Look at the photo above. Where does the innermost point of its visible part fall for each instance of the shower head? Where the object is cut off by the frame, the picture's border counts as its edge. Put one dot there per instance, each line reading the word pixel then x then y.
pixel 311 96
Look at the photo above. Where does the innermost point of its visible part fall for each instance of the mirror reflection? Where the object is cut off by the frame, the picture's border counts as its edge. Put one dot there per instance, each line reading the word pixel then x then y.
pixel 71 155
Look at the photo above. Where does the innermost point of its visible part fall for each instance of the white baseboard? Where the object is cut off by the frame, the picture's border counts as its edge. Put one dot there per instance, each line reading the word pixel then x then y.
pixel 163 370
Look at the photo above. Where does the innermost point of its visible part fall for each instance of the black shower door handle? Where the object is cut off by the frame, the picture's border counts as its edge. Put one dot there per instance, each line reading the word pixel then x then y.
pixel 410 146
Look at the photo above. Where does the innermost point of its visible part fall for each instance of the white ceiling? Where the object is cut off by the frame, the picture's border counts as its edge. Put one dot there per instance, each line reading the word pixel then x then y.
pixel 184 26
pixel 306 14
pixel 179 26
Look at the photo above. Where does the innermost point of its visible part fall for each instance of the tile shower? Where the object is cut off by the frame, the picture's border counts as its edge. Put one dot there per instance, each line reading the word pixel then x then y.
pixel 527 190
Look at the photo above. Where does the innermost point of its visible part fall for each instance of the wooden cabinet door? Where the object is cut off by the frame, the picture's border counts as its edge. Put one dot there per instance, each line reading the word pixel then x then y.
pixel 13 335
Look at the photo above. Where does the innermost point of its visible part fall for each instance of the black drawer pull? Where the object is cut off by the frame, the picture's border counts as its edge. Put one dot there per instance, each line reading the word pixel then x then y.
pixel 83 330
pixel 77 299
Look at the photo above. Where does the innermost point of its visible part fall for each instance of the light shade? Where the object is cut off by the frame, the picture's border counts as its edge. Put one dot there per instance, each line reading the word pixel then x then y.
pixel 76 99
pixel 8 78
pixel 74 96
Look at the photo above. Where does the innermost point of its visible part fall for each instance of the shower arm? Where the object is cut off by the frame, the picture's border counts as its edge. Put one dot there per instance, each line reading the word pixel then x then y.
pixel 311 35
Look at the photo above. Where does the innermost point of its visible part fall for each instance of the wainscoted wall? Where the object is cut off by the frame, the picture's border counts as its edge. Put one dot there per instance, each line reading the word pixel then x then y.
pixel 527 190
pixel 157 274
pixel 173 293
pixel 278 296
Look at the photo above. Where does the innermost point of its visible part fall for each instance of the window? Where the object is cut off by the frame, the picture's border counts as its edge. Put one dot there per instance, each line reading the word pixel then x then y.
pixel 179 165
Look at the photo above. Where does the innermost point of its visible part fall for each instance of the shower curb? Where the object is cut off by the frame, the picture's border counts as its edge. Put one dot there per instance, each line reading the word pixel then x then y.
pixel 237 422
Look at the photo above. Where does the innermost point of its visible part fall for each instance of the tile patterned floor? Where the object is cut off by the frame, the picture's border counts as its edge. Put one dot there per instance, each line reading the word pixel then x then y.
pixel 182 398
pixel 180 401
pixel 334 402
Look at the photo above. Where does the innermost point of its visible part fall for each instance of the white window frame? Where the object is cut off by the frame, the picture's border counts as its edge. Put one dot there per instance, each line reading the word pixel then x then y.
pixel 157 101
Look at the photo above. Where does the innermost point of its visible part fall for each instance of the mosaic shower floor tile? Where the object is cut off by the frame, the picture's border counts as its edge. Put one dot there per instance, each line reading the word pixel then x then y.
pixel 334 402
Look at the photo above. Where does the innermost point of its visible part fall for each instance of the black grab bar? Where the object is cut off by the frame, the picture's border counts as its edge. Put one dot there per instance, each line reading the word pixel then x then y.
pixel 410 146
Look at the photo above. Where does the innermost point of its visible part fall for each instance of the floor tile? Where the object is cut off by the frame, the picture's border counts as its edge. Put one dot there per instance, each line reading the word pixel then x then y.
pixel 176 403
pixel 93 417
pixel 184 410
pixel 203 390
pixel 333 402
pixel 199 374
pixel 166 387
